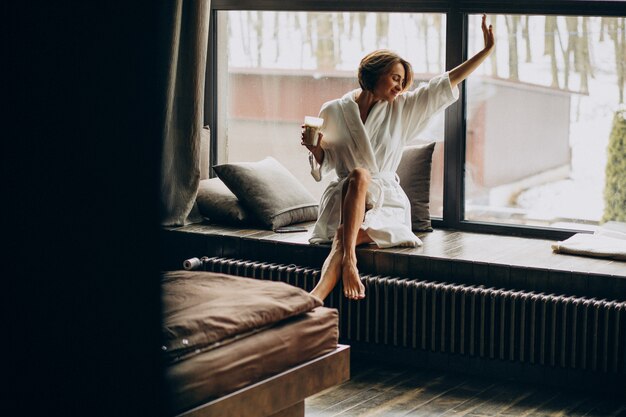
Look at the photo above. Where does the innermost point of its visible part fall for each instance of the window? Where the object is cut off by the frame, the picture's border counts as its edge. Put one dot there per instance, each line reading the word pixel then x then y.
pixel 281 66
pixel 539 117
pixel 526 144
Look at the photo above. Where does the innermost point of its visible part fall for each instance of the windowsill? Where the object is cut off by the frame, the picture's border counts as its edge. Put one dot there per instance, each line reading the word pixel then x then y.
pixel 446 255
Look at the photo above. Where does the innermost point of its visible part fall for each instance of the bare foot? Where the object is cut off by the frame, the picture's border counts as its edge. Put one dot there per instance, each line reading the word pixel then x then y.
pixel 353 288
pixel 330 273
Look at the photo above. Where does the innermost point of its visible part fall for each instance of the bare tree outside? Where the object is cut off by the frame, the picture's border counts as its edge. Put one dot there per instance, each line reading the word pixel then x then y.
pixel 423 24
pixel 382 29
pixel 512 25
pixel 362 20
pixel 550 30
pixel 257 24
pixel 571 23
pixel 526 36
pixel 617 33
pixel 325 48
pixel 326 33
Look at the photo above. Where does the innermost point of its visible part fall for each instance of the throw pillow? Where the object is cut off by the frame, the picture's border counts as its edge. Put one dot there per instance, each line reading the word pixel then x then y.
pixel 267 189
pixel 217 203
pixel 414 174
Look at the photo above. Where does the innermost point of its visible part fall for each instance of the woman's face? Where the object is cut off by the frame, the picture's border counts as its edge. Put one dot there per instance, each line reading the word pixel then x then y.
pixel 389 85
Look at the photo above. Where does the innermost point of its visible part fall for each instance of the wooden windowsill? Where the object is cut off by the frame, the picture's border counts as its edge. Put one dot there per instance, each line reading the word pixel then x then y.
pixel 446 255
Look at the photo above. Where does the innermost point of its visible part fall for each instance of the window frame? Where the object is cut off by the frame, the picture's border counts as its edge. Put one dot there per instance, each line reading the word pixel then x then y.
pixel 457 12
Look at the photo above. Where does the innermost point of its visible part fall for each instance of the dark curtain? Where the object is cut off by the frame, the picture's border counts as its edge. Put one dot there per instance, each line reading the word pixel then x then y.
pixel 184 111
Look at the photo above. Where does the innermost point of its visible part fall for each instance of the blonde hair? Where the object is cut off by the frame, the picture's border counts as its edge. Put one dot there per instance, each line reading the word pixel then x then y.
pixel 378 63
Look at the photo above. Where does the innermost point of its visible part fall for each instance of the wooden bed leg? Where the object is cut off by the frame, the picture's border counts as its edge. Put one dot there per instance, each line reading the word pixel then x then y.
pixel 296 410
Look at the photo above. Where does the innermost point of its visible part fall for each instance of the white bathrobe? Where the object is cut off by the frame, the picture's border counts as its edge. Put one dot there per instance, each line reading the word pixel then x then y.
pixel 376 146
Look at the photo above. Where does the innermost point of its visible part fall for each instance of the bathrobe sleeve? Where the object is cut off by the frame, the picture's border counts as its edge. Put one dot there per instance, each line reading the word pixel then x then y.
pixel 419 105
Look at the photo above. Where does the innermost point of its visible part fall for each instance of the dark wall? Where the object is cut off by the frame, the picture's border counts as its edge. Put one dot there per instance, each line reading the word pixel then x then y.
pixel 81 151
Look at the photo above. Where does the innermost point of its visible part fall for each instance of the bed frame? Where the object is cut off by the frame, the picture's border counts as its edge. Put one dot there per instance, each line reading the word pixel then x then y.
pixel 281 395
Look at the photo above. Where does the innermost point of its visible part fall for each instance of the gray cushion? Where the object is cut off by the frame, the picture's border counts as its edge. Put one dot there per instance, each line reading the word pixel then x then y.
pixel 414 174
pixel 269 191
pixel 217 203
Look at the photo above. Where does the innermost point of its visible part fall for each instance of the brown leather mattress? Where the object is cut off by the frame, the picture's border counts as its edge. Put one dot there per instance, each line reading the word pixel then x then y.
pixel 222 333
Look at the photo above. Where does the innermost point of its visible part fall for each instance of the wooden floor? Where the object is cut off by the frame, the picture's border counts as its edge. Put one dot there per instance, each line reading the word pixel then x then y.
pixel 383 390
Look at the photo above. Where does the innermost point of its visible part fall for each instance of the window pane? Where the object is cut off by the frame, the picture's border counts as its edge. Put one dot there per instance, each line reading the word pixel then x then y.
pixel 276 67
pixel 539 118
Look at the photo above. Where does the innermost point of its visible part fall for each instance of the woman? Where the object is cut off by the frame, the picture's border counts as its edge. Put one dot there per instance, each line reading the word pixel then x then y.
pixel 364 135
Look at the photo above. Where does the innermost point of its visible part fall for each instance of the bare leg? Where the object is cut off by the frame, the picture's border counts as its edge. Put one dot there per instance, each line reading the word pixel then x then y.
pixel 337 264
pixel 331 270
pixel 353 212
pixel 352 286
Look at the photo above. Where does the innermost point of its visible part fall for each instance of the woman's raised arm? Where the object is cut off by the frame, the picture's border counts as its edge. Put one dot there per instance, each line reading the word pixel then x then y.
pixel 461 72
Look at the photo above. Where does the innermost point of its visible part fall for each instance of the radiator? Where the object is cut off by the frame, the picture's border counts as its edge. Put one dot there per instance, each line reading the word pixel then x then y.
pixel 536 328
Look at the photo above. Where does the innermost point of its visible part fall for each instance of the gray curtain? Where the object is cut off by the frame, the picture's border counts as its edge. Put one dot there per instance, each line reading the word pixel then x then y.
pixel 184 111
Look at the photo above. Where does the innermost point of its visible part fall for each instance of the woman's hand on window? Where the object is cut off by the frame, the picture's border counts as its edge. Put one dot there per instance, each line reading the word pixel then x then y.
pixel 490 41
pixel 460 73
